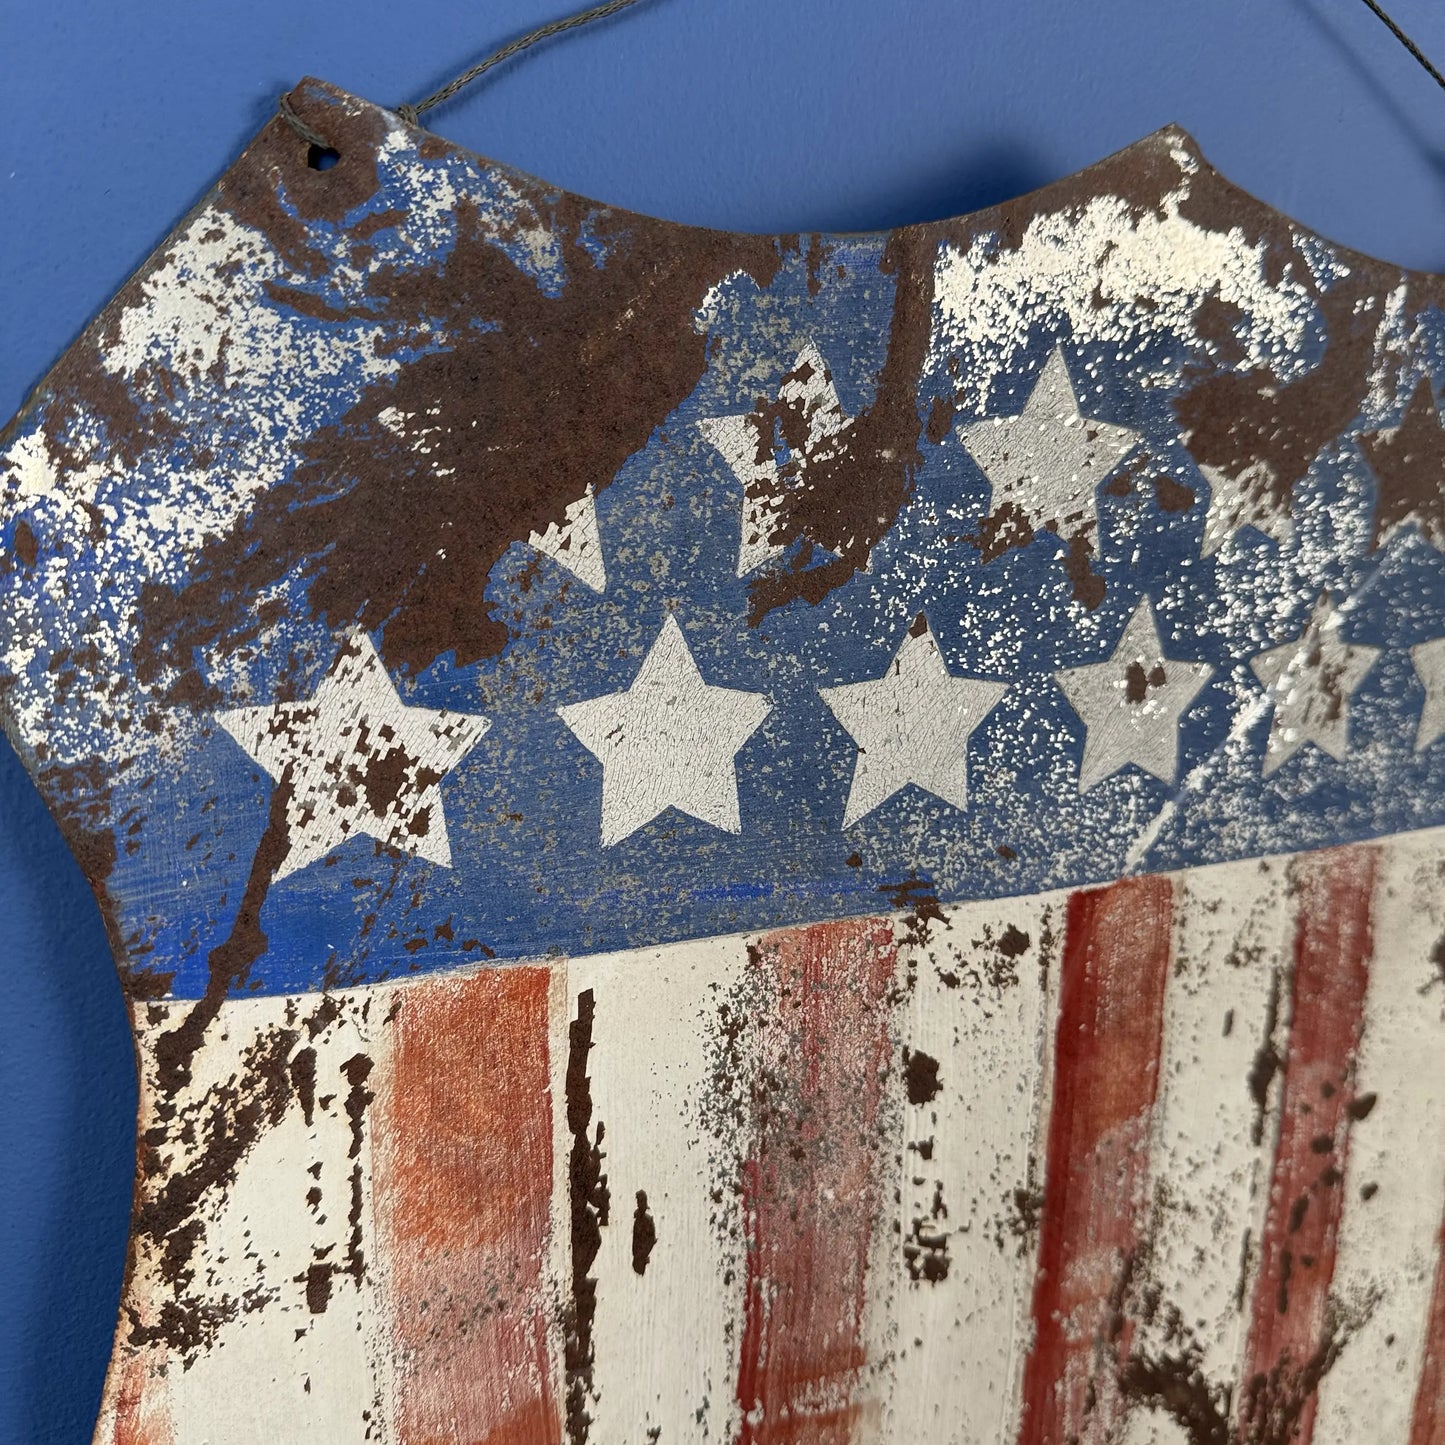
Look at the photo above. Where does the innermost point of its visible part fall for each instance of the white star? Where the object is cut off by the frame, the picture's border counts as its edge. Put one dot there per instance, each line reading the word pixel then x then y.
pixel 577 543
pixel 1311 681
pixel 1429 660
pixel 1242 501
pixel 912 725
pixel 812 422
pixel 668 741
pixel 1131 704
pixel 358 759
pixel 1047 462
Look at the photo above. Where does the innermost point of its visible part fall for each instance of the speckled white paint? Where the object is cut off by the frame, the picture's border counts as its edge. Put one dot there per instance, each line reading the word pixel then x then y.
pixel 988 300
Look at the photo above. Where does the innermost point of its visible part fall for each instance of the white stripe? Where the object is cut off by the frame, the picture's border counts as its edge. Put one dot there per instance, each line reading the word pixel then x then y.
pixel 1388 1243
pixel 277 1371
pixel 666 1340
pixel 1233 935
pixel 981 1005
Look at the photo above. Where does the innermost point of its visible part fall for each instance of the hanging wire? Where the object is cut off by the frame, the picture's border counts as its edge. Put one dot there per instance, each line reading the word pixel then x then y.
pixel 1409 44
pixel 500 57
pixel 319 143
pixel 411 113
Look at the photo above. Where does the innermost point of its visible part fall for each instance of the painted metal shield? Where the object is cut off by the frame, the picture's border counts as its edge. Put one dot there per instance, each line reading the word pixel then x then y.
pixel 755 839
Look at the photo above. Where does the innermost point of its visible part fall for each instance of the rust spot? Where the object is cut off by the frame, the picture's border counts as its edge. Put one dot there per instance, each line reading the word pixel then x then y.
pixel 1013 942
pixel 925 1248
pixel 940 420
pixel 644 1234
pixel 1215 321
pixel 384 777
pixel 303 1081
pixel 1267 1062
pixel 589 1202
pixel 916 899
pixel 1173 496
pixel 920 1076
pixel 318 1287
pixel 1362 1106
pixel 1089 586
pixel 26 547
pixel 1137 682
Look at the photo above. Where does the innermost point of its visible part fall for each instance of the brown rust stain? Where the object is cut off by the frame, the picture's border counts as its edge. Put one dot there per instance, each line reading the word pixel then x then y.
pixel 509 403
pixel 856 487
pixel 1216 321
pixel 644 1234
pixel 272 189
pixel 1173 1382
pixel 359 1098
pixel 1173 496
pixel 303 1081
pixel 169 1218
pixel 1409 462
pixel 229 962
pixel 588 1205
pixel 926 1258
pixel 1253 421
pixel 917 899
pixel 940 420
pixel 920 1076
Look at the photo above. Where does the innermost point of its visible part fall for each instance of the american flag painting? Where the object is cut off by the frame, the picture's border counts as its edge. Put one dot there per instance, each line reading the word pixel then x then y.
pixel 718 838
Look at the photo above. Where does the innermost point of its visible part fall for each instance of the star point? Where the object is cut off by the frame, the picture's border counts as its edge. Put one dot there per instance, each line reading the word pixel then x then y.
pixel 1429 660
pixel 1046 463
pixel 809 418
pixel 1131 704
pixel 1311 681
pixel 576 544
pixel 359 760
pixel 1246 500
pixel 670 740
pixel 912 725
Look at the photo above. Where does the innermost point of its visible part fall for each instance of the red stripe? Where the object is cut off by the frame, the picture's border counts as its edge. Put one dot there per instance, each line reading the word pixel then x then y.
pixel 1290 1344
pixel 1106 1075
pixel 463 1169
pixel 142 1405
pixel 811 1185
pixel 1428 1426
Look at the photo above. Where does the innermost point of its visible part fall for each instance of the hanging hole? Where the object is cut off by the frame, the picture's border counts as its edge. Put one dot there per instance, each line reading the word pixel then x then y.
pixel 322 158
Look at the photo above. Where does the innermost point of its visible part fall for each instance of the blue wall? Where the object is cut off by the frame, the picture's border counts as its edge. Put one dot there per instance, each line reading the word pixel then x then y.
pixel 749 114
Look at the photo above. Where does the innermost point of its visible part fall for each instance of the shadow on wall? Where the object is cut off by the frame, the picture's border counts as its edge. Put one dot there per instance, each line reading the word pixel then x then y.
pixel 67 1123
pixel 987 177
pixel 1385 87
